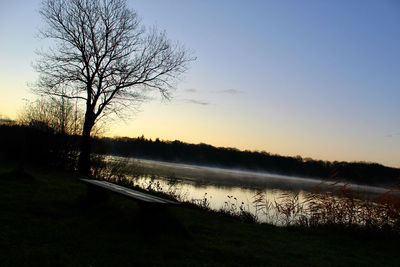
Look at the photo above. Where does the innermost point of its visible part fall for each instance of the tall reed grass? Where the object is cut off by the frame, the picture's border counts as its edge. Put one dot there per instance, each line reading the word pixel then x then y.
pixel 339 205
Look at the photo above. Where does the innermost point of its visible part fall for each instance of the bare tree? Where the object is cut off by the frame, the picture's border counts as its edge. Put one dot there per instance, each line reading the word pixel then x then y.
pixel 59 114
pixel 104 57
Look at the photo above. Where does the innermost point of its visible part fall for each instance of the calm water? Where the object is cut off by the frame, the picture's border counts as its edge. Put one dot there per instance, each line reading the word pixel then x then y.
pixel 225 188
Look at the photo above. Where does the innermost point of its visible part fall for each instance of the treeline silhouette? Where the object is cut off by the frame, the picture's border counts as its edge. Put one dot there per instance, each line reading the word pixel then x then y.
pixel 203 154
pixel 40 144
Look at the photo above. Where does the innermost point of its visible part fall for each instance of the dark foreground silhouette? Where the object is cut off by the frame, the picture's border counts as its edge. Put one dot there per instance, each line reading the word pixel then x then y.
pixel 46 222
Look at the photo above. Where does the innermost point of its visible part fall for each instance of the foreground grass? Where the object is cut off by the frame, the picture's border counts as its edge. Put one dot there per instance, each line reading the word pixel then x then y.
pixel 45 221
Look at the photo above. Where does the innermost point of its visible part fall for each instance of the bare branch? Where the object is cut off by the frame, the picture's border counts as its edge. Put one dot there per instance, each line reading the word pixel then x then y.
pixel 101 51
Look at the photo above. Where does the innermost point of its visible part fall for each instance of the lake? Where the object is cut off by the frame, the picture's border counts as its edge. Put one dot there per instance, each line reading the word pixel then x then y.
pixel 259 193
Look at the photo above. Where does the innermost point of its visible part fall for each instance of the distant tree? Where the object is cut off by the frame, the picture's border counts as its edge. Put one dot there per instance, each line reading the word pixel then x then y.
pixel 104 57
pixel 59 114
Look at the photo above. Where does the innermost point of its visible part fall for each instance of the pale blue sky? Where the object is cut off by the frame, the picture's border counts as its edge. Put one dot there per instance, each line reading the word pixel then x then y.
pixel 319 79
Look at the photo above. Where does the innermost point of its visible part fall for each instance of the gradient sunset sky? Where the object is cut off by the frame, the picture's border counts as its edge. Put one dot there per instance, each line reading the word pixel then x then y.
pixel 319 79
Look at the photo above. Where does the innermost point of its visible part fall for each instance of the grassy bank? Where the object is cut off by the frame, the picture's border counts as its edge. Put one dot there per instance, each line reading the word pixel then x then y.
pixel 45 221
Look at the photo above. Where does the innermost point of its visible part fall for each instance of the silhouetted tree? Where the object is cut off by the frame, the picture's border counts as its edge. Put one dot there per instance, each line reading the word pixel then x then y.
pixel 103 56
pixel 59 114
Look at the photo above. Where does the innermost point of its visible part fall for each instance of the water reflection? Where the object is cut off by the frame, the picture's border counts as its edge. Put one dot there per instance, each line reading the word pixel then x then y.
pixel 201 175
pixel 219 196
pixel 230 189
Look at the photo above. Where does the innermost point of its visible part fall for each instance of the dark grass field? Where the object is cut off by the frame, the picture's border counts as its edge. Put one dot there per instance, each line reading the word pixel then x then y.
pixel 46 221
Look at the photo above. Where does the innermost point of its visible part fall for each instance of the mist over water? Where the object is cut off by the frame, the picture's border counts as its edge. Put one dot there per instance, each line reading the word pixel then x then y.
pixel 203 175
pixel 228 188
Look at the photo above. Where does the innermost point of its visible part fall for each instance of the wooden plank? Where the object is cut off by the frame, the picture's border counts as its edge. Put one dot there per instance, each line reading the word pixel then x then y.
pixel 130 192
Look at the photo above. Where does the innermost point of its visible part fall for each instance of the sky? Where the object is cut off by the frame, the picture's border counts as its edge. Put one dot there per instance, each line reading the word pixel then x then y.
pixel 318 79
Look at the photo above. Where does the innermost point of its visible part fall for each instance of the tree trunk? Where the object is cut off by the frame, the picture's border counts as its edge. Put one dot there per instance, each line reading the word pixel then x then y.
pixel 84 156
